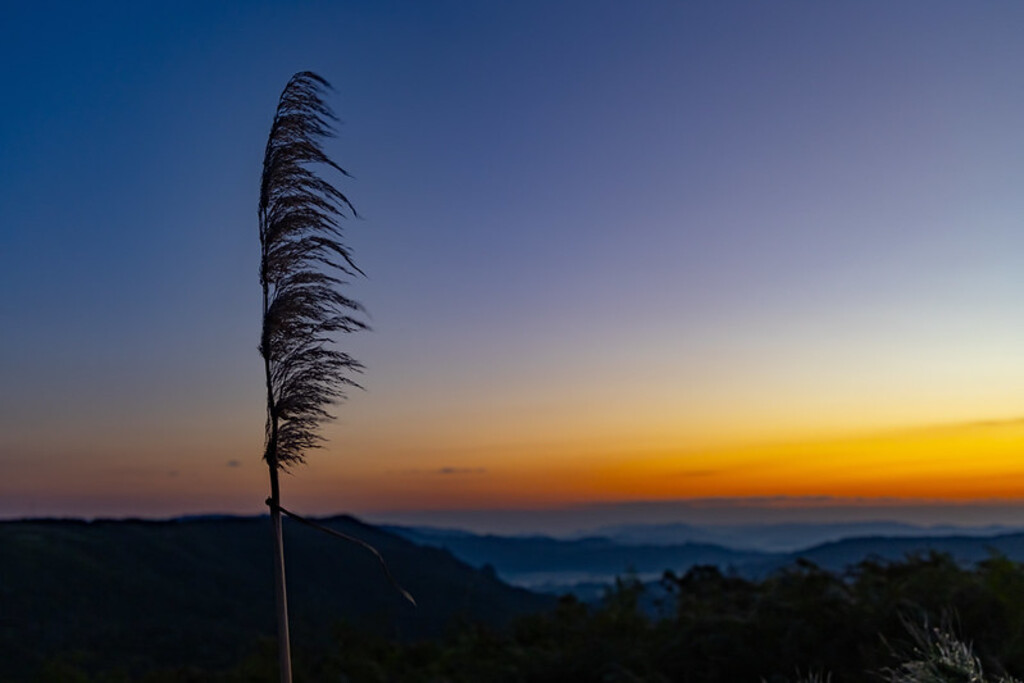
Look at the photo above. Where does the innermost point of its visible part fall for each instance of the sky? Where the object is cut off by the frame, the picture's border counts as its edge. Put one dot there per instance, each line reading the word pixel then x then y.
pixel 689 256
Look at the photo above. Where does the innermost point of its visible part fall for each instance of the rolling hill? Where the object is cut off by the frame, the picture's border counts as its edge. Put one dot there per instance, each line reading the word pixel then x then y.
pixel 143 594
pixel 583 565
pixel 558 565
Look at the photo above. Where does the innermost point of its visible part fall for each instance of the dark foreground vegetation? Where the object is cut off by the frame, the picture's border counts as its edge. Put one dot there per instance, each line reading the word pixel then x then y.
pixel 103 622
pixel 801 624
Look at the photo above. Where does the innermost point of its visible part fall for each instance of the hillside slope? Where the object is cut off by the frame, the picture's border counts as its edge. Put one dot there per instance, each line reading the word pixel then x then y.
pixel 966 550
pixel 139 594
pixel 557 565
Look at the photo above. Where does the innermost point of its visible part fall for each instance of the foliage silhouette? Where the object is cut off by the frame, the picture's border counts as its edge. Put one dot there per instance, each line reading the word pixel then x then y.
pixel 302 255
pixel 303 264
pixel 940 657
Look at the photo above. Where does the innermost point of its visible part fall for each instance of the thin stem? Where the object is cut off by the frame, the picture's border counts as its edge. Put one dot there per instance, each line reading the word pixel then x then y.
pixel 284 653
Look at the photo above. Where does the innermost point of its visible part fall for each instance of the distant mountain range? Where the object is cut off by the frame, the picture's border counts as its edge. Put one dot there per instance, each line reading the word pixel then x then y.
pixel 556 565
pixel 142 594
pixel 783 537
pixel 646 552
pixel 966 550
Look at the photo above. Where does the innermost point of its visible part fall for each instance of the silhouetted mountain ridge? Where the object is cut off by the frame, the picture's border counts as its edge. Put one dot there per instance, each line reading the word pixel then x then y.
pixel 557 564
pixel 785 536
pixel 584 565
pixel 966 550
pixel 141 593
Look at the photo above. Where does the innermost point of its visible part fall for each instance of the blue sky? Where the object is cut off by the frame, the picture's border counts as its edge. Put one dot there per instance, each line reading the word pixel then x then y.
pixel 592 229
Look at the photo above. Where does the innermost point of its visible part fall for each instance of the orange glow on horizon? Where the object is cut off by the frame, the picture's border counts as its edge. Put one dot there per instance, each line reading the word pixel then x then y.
pixel 962 462
pixel 949 462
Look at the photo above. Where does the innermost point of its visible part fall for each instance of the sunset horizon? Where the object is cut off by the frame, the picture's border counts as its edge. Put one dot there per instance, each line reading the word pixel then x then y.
pixel 676 253
pixel 512 342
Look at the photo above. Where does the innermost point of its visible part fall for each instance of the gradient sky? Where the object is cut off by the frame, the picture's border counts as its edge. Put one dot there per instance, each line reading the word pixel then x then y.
pixel 616 252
